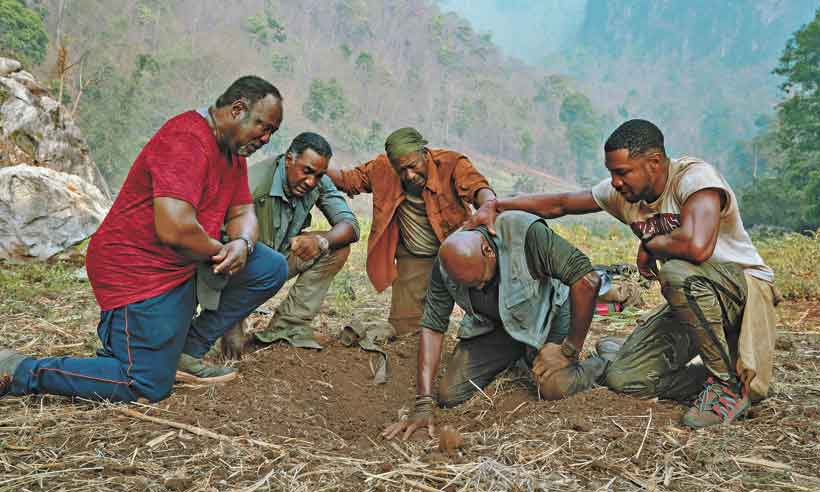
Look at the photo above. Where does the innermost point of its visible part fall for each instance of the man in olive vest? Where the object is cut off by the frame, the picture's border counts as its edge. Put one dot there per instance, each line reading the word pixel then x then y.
pixel 526 293
pixel 285 190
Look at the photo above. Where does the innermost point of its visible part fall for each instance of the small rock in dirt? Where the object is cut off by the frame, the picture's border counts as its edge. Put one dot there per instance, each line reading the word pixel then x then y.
pixel 578 425
pixel 449 440
pixel 386 467
pixel 784 344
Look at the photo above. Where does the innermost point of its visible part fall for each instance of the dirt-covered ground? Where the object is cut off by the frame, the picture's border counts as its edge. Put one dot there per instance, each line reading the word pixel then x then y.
pixel 307 420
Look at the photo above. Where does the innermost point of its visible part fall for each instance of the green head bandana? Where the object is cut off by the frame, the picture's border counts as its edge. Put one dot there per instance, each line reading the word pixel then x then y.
pixel 402 142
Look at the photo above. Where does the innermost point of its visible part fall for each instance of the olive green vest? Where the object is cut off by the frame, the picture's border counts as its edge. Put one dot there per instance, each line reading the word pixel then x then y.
pixel 527 306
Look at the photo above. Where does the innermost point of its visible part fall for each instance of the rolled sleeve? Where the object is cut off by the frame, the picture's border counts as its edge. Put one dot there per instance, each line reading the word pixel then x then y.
pixel 468 180
pixel 357 180
pixel 438 305
pixel 334 206
pixel 551 256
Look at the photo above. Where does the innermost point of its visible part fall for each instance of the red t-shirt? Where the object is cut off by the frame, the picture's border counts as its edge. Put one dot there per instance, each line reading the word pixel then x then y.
pixel 126 262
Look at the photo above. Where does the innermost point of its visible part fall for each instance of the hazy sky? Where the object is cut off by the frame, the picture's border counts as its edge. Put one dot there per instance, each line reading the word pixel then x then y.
pixel 523 28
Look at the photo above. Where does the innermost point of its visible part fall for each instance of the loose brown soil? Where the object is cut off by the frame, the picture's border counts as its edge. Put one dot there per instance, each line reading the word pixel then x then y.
pixel 316 418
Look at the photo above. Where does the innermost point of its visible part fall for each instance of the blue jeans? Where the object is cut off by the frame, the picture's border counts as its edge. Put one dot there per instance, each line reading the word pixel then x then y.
pixel 142 341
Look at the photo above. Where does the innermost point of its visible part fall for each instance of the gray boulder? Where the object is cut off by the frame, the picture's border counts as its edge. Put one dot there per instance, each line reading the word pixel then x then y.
pixel 7 66
pixel 36 130
pixel 43 212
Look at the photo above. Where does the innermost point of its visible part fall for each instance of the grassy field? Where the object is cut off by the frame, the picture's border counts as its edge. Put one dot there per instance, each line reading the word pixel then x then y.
pixel 308 421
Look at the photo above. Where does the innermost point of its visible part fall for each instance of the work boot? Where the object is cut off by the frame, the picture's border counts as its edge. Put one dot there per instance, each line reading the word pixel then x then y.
pixel 9 360
pixel 608 347
pixel 196 371
pixel 716 404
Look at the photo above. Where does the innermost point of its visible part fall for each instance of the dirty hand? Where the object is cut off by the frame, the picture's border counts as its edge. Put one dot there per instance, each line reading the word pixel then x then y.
pixel 231 258
pixel 422 416
pixel 549 360
pixel 305 246
pixel 647 264
pixel 234 340
pixel 553 372
pixel 485 215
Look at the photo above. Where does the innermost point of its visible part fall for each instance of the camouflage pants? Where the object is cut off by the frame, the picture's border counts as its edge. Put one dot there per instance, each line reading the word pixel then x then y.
pixel 702 316
pixel 476 362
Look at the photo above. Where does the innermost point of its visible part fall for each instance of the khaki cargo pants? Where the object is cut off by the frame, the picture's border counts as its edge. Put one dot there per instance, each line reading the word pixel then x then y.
pixel 294 315
pixel 702 316
pixel 409 290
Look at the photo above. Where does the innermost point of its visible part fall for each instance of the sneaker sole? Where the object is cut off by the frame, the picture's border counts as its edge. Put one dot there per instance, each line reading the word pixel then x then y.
pixel 184 377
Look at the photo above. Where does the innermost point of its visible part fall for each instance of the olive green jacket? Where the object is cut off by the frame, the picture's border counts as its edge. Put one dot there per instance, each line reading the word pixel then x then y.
pixel 281 217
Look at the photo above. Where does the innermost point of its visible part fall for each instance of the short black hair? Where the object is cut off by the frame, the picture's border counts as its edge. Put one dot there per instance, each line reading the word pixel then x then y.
pixel 310 140
pixel 250 88
pixel 637 136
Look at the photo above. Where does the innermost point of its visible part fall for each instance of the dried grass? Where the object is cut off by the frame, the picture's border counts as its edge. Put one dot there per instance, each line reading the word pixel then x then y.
pixel 54 444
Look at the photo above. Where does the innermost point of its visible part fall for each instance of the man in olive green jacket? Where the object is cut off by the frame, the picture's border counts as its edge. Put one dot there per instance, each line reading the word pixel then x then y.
pixel 285 190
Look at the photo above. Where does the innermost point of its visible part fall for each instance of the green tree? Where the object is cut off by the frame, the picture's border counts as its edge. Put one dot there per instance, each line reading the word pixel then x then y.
pixel 22 32
pixel 526 144
pixel 799 115
pixel 584 134
pixel 326 101
pixel 365 64
pixel 789 194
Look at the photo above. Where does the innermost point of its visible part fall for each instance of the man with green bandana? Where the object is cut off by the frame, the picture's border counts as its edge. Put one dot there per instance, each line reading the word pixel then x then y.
pixel 420 196
pixel 285 190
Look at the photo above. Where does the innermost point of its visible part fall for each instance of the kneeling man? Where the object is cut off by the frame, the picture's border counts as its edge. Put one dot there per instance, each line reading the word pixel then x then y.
pixel 719 292
pixel 285 190
pixel 526 292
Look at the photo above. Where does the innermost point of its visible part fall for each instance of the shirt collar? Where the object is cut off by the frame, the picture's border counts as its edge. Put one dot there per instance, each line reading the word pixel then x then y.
pixel 277 186
pixel 432 183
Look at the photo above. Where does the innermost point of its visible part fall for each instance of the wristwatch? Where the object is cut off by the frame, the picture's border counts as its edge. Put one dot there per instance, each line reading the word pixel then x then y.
pixel 248 243
pixel 569 350
pixel 324 244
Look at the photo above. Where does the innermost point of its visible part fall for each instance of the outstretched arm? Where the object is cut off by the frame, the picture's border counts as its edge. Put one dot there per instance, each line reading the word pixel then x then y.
pixel 547 205
pixel 434 323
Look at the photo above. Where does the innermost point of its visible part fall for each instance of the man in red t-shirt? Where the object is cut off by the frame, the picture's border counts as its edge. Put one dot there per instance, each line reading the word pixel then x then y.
pixel 158 254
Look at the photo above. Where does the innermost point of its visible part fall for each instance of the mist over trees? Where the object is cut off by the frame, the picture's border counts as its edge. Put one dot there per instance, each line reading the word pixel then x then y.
pixel 785 186
pixel 356 69
pixel 353 70
pixel 701 70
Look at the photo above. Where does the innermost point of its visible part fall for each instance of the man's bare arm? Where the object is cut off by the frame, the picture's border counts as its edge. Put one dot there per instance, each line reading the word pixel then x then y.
pixel 551 205
pixel 176 225
pixel 695 239
pixel 241 222
pixel 547 205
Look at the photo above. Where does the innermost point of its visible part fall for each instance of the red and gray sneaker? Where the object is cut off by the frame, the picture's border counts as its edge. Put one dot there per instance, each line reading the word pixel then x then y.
pixel 9 360
pixel 716 404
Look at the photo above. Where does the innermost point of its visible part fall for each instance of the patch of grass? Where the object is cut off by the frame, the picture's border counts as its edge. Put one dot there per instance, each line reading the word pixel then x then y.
pixel 795 260
pixel 25 286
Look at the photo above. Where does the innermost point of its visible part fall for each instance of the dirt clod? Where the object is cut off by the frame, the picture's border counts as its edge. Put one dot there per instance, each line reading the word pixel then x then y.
pixel 449 440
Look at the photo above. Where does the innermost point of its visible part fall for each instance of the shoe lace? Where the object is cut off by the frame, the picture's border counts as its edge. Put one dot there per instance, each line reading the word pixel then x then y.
pixel 718 398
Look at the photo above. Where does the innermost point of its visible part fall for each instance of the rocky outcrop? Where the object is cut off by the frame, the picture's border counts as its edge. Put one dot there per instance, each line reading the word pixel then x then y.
pixel 52 196
pixel 43 212
pixel 35 130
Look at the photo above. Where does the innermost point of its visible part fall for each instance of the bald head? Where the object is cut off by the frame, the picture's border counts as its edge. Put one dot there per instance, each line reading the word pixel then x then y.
pixel 468 258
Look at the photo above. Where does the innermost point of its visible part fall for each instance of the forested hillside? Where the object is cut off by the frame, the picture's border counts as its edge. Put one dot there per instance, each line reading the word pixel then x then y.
pixel 701 69
pixel 353 69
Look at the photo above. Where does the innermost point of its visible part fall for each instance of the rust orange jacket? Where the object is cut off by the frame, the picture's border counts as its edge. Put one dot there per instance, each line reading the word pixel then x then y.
pixel 452 184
